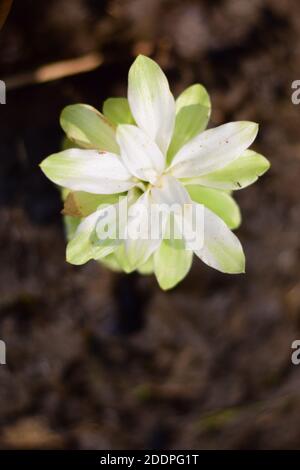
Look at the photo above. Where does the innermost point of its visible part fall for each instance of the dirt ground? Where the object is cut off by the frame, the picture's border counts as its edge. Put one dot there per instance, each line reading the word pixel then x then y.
pixel 99 360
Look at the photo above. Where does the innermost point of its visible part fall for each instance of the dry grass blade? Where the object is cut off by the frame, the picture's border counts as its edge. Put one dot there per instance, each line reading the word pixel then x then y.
pixel 55 71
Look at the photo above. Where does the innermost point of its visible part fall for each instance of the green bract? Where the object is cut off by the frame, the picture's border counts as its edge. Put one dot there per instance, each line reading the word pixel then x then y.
pixel 150 151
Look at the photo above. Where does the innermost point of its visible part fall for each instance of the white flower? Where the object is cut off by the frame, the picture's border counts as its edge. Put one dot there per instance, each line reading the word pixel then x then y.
pixel 155 151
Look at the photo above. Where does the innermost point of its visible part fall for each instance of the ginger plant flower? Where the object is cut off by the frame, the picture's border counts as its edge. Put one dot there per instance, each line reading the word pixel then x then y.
pixel 150 151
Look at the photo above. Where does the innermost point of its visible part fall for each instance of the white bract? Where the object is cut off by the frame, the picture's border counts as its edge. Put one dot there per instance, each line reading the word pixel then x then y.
pixel 149 151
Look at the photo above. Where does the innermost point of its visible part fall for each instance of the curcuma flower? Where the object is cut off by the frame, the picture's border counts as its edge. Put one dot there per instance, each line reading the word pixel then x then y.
pixel 148 152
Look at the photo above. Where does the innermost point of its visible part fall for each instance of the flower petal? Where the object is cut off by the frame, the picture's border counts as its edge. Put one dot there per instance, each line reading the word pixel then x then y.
pixel 147 268
pixel 88 128
pixel 151 102
pixel 242 172
pixel 139 244
pixel 117 110
pixel 81 248
pixel 218 202
pixel 190 120
pixel 139 153
pixel 99 234
pixel 222 249
pixel 190 224
pixel 183 218
pixel 194 94
pixel 193 108
pixel 70 226
pixel 213 149
pixel 87 170
pixel 170 192
pixel 81 204
pixel 172 262
pixel 111 262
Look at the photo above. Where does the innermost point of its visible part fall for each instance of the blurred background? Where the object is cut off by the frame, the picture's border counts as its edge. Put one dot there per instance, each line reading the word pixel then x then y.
pixel 99 360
